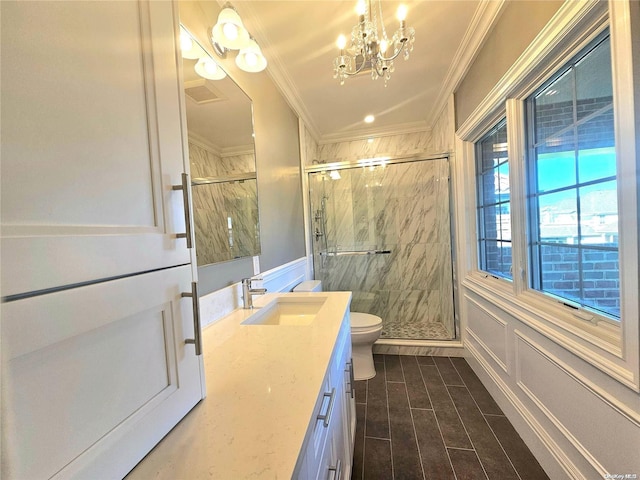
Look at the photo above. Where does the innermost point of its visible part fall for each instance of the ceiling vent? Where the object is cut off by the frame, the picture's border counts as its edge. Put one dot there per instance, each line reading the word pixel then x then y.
pixel 203 91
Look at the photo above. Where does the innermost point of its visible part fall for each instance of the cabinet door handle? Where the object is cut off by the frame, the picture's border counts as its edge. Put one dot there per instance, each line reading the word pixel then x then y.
pixel 197 338
pixel 186 198
pixel 326 418
pixel 349 370
pixel 337 470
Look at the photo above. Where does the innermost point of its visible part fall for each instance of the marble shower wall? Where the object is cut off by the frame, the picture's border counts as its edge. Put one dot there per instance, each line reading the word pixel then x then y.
pixel 205 162
pixel 402 208
pixel 391 145
pixel 225 214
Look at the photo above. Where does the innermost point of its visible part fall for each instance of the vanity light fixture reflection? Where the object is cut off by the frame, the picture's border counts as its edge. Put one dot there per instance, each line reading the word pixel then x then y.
pixel 188 48
pixel 209 69
pixel 222 157
pixel 206 66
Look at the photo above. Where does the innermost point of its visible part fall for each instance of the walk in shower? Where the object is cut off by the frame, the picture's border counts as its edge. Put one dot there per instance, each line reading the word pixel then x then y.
pixel 382 230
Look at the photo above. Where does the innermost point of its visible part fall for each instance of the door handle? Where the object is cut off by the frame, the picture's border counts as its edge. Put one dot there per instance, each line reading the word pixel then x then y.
pixel 197 337
pixel 186 198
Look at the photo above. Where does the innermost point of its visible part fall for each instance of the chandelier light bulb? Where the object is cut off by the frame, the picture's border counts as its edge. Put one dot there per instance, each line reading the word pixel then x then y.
pixel 361 7
pixel 342 42
pixel 384 44
pixel 402 13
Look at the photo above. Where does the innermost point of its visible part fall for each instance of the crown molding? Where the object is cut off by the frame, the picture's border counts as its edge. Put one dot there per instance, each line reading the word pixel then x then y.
pixel 485 17
pixel 237 150
pixel 548 47
pixel 363 134
pixel 204 143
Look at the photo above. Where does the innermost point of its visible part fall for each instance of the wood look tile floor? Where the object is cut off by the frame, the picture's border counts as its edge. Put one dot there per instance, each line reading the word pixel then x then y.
pixel 430 418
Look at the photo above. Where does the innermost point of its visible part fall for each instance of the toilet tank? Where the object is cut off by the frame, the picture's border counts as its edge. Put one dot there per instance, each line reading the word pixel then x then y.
pixel 309 286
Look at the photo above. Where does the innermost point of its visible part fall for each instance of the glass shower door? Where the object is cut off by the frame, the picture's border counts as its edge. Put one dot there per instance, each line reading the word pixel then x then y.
pixel 383 232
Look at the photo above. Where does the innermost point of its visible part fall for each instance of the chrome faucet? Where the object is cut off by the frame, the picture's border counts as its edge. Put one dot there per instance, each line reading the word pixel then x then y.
pixel 248 292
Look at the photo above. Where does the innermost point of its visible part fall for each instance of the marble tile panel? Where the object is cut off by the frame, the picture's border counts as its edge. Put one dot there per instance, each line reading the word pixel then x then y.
pixel 214 205
pixel 392 145
pixel 443 130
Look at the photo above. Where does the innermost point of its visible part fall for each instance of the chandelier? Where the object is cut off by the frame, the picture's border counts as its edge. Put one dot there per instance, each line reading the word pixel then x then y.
pixel 371 49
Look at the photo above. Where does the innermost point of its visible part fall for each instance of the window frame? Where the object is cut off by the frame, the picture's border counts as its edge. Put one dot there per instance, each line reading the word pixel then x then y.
pixel 480 175
pixel 611 348
pixel 534 242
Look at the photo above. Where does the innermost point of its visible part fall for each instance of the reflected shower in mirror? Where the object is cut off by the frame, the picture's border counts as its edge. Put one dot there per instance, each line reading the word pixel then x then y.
pixel 222 157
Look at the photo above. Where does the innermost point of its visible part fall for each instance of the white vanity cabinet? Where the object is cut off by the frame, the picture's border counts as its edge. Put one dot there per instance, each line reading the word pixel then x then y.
pixel 97 284
pixel 91 143
pixel 328 448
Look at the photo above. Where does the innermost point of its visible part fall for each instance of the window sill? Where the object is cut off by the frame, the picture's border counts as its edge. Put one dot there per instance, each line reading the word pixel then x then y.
pixel 598 344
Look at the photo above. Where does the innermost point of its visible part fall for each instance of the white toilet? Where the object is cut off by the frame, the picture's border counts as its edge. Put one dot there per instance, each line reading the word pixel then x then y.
pixel 365 330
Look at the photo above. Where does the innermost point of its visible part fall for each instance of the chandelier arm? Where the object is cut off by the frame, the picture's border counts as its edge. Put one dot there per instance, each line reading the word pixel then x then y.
pixel 393 57
pixel 358 70
pixel 379 70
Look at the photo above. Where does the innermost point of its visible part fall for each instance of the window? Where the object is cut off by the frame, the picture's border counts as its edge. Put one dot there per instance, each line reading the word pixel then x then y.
pixel 494 211
pixel 572 187
pixel 571 108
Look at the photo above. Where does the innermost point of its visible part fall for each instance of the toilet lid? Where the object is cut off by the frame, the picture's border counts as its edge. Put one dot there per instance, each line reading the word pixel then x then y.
pixel 364 320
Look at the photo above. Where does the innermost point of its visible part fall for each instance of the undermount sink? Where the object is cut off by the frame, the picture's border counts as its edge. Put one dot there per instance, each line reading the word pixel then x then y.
pixel 288 310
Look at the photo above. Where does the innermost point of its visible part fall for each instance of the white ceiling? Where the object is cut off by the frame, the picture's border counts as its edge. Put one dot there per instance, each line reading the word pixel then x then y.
pixel 298 39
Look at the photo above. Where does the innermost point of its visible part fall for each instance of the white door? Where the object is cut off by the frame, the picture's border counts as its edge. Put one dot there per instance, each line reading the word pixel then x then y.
pixel 94 377
pixel 91 142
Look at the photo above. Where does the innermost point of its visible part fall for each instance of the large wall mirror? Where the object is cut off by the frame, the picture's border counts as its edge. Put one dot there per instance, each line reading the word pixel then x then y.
pixel 222 158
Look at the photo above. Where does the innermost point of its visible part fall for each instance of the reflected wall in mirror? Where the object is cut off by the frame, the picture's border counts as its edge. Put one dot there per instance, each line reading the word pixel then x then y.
pixel 222 158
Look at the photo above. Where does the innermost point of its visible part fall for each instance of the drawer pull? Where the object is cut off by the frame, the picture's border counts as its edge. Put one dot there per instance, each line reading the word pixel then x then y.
pixel 326 418
pixel 349 370
pixel 337 470
pixel 185 186
pixel 197 338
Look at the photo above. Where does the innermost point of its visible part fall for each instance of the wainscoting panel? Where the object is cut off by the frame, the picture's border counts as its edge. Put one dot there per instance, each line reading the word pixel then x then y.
pixel 606 435
pixel 488 331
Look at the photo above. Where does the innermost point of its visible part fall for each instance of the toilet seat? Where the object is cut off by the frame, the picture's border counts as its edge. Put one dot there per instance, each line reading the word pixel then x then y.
pixel 364 321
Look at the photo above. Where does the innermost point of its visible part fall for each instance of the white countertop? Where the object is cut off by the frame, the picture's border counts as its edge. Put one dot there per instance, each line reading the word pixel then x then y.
pixel 262 385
